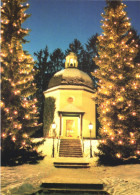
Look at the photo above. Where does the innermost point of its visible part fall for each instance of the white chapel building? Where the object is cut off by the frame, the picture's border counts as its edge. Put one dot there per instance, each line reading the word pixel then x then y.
pixel 73 91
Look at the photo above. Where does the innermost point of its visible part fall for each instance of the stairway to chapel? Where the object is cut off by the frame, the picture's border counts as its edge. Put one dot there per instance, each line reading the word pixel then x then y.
pixel 72 188
pixel 70 148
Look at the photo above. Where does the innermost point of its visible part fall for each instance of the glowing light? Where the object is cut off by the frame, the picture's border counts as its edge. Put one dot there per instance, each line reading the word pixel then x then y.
pixel 23 143
pixel 107 109
pixel 26 116
pixel 137 75
pixel 14 139
pixel 118 155
pixel 120 132
pixel 3 135
pixel 25 135
pixel 103 141
pixel 15 112
pixel 121 117
pixel 15 125
pixel 120 142
pixel 2 104
pixel 131 134
pixel 123 89
pixel 120 76
pixel 19 126
pixel 120 99
pixel 132 141
pixel 35 111
pixel 13 84
pixel 7 110
pixel 138 152
pixel 134 113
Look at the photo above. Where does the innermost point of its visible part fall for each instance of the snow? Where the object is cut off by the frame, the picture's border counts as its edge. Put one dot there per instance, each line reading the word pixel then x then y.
pixel 118 180
pixel 72 76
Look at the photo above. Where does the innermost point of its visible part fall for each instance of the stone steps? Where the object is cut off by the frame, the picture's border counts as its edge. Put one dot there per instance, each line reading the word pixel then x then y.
pixel 72 188
pixel 70 148
pixel 71 165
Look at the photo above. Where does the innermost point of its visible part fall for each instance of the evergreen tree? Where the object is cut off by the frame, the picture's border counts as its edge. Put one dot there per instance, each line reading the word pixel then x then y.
pixel 42 66
pixel 19 111
pixel 78 49
pixel 85 62
pixel 91 48
pixel 57 60
pixel 117 94
pixel 46 65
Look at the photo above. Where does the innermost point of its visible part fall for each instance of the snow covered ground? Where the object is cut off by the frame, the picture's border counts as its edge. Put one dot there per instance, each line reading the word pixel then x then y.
pixel 118 180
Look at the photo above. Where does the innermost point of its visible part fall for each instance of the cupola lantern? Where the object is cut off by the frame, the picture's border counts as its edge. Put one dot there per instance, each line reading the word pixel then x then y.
pixel 71 61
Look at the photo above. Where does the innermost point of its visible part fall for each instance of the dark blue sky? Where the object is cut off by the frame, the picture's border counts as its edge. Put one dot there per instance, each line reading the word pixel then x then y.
pixel 56 23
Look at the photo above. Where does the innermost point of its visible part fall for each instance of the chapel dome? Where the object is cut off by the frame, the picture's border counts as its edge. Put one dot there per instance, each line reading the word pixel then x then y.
pixel 71 75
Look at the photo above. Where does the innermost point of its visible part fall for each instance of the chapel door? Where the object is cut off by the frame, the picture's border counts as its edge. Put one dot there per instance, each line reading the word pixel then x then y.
pixel 70 127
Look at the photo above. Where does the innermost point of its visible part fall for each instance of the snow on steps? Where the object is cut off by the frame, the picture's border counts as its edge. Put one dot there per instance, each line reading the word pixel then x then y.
pixel 70 148
pixel 71 165
pixel 72 188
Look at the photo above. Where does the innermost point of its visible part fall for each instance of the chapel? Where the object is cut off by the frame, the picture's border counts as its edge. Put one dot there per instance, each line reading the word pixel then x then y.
pixel 75 108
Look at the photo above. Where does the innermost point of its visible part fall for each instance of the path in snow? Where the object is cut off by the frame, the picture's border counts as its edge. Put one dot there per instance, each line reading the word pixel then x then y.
pixel 119 180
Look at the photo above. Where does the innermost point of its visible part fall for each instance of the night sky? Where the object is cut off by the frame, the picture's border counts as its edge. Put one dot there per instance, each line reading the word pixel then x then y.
pixel 56 23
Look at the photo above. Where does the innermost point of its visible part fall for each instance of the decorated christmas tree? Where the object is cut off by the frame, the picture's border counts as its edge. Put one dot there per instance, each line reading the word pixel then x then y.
pixel 18 104
pixel 117 93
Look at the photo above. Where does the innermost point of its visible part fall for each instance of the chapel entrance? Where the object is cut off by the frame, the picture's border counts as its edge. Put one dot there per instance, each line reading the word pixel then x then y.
pixel 70 127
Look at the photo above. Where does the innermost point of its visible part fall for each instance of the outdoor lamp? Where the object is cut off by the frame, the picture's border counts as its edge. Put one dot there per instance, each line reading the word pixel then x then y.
pixel 53 127
pixel 90 126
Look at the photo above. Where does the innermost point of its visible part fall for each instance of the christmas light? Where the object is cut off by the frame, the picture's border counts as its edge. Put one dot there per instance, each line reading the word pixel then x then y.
pixel 3 135
pixel 2 103
pixel 118 155
pixel 27 116
pixel 137 75
pixel 132 141
pixel 103 141
pixel 34 111
pixel 23 143
pixel 120 142
pixel 35 100
pixel 120 132
pixel 121 117
pixel 15 126
pixel 13 139
pixel 120 99
pixel 120 76
pixel 19 126
pixel 7 110
pixel 134 113
pixel 25 135
pixel 15 112
pixel 131 134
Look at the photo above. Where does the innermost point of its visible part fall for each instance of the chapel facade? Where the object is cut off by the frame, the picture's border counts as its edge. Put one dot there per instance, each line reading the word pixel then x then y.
pixel 73 91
